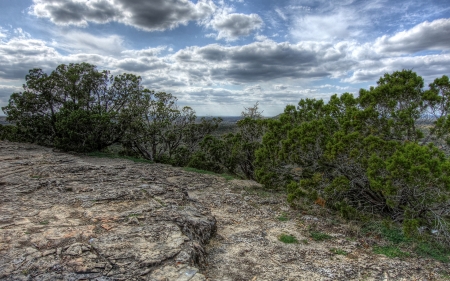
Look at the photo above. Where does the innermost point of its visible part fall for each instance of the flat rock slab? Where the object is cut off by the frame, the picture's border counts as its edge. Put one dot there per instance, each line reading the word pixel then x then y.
pixel 66 217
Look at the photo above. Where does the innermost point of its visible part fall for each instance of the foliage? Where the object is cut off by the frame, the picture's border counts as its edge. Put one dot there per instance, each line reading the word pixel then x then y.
pixel 283 217
pixel 366 154
pixel 115 156
pixel 433 250
pixel 319 236
pixel 390 251
pixel 166 133
pixel 225 176
pixel 338 251
pixel 288 239
pixel 233 153
pixel 76 107
pixel 8 132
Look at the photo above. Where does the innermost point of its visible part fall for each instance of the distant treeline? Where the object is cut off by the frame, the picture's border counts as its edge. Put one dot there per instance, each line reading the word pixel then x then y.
pixel 382 152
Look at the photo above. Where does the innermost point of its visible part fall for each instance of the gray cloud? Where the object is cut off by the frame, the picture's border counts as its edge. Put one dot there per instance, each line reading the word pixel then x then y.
pixel 154 15
pixel 232 26
pixel 140 65
pixel 433 35
pixel 259 61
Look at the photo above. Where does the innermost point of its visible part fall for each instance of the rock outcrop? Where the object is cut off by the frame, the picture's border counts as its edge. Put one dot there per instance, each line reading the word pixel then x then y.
pixel 65 217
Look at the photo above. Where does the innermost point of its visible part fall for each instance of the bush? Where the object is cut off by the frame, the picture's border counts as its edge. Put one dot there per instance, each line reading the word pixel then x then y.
pixel 366 154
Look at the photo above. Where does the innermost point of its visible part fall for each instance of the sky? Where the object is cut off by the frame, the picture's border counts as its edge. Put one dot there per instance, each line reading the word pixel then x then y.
pixel 219 56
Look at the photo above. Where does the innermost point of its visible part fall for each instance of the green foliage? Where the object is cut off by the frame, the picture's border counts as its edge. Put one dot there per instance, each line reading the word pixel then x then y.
pixel 206 172
pixel 75 108
pixel 390 251
pixel 433 250
pixel 115 156
pixel 319 236
pixel 338 251
pixel 166 133
pixel 288 239
pixel 366 154
pixel 233 153
pixel 283 217
pixel 8 132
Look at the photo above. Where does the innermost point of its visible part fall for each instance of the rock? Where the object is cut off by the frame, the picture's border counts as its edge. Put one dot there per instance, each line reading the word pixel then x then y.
pixel 68 217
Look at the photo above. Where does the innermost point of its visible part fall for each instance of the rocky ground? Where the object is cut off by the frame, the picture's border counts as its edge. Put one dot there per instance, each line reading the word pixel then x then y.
pixel 71 217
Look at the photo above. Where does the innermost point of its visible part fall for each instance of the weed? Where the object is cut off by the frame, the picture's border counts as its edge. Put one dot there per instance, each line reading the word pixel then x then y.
pixel 44 222
pixel 283 217
pixel 433 250
pixel 390 251
pixel 225 176
pixel 394 235
pixel 319 236
pixel 445 275
pixel 114 156
pixel 258 192
pixel 133 215
pixel 288 239
pixel 338 251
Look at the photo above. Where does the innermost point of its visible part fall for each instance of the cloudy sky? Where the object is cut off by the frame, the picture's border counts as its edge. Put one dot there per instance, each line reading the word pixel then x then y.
pixel 218 56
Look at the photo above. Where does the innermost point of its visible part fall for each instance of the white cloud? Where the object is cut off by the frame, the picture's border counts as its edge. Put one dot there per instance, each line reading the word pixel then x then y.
pixel 234 25
pixel 433 35
pixel 338 25
pixel 83 42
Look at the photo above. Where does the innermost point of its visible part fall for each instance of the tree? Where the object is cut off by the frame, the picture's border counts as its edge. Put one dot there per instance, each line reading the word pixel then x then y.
pixel 76 107
pixel 234 152
pixel 166 133
pixel 366 154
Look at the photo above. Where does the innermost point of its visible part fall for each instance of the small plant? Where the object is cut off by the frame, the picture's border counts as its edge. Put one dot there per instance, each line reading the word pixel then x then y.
pixel 390 251
pixel 319 236
pixel 133 215
pixel 288 239
pixel 338 251
pixel 44 222
pixel 225 176
pixel 283 217
pixel 115 156
pixel 433 250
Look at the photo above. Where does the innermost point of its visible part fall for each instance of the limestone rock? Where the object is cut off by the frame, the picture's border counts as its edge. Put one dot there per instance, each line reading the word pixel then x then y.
pixel 66 217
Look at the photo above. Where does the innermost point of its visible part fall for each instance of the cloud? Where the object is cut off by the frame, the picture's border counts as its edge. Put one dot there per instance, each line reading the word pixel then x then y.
pixel 17 56
pixel 433 35
pixel 260 61
pixel 83 42
pixel 232 26
pixel 155 15
pixel 428 66
pixel 337 25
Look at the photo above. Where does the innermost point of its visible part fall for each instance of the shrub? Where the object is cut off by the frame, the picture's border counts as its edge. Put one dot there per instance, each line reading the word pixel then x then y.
pixel 366 154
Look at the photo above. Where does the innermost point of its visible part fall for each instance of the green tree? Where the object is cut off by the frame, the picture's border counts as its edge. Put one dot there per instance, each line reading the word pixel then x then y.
pixel 233 153
pixel 76 107
pixel 166 133
pixel 365 154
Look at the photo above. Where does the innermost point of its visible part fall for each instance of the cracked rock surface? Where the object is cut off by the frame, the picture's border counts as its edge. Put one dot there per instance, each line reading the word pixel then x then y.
pixel 65 217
